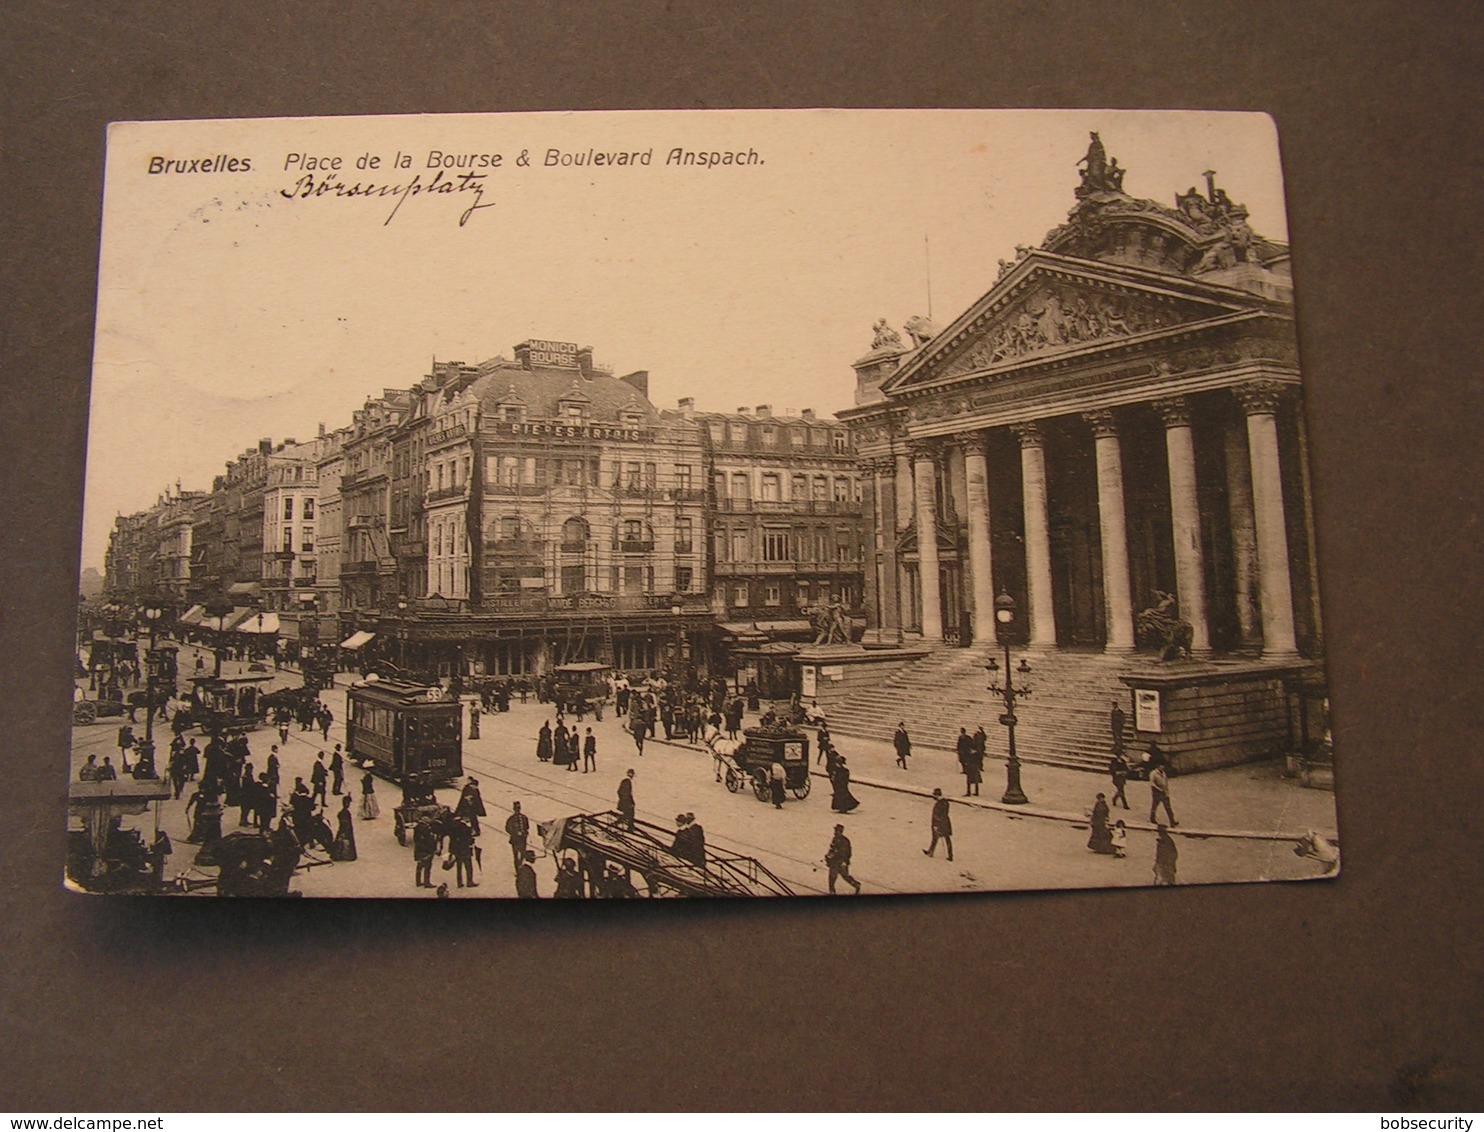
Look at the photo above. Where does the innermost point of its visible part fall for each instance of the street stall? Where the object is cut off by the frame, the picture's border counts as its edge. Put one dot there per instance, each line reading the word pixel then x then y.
pixel 405 729
pixel 103 855
pixel 612 852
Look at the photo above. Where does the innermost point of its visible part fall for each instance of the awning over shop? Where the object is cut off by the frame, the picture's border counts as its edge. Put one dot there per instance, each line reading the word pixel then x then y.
pixel 233 619
pixel 193 615
pixel 793 626
pixel 237 589
pixel 356 639
pixel 264 623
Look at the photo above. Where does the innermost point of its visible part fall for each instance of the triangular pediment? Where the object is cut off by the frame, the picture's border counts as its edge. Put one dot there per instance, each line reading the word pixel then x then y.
pixel 1046 305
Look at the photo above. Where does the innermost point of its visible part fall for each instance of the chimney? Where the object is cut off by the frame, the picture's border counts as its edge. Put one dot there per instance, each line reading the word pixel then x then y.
pixel 585 364
pixel 265 445
pixel 523 354
pixel 288 442
pixel 639 381
pixel 321 428
pixel 687 407
pixel 807 414
pixel 765 410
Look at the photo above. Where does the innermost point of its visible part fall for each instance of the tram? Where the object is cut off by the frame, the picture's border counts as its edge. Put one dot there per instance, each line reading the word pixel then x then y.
pixel 404 730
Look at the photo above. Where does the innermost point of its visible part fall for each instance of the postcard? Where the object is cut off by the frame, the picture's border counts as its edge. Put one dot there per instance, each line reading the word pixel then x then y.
pixel 756 503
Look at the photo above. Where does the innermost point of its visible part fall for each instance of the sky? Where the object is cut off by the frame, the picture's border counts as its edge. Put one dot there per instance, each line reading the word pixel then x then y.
pixel 233 308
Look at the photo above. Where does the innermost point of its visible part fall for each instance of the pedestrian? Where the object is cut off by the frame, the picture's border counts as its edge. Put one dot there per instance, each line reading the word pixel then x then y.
pixel 1159 793
pixel 637 727
pixel 88 772
pixel 1117 721
pixel 344 846
pixel 942 825
pixel 319 777
pixel 273 769
pixel 1118 772
pixel 589 752
pixel 470 805
pixel 843 801
pixel 625 798
pixel 837 857
pixel 777 780
pixel 965 750
pixel 974 765
pixel 247 798
pixel 461 849
pixel 161 849
pixel 574 750
pixel 106 772
pixel 283 728
pixel 517 828
pixel 370 808
pixel 525 876
pixel 1120 839
pixel 474 721
pixel 337 771
pixel 543 742
pixel 125 742
pixel 1166 855
pixel 327 717
pixel 684 844
pixel 1101 838
pixel 904 745
pixel 424 849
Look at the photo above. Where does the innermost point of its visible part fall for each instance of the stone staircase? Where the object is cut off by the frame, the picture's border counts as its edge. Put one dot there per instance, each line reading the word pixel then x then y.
pixel 1064 722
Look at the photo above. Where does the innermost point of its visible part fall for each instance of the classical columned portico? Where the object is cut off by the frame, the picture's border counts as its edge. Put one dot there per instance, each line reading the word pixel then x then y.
pixel 1260 402
pixel 925 475
pixel 1042 615
pixel 1185 515
pixel 976 496
pixel 1113 531
pixel 883 480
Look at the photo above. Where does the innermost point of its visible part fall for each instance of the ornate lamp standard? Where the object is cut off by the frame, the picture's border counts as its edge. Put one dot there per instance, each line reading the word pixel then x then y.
pixel 402 632
pixel 155 669
pixel 1004 614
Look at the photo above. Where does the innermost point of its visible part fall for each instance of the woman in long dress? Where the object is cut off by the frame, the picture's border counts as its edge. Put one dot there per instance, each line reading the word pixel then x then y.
pixel 370 809
pixel 344 846
pixel 1101 840
pixel 543 742
pixel 843 801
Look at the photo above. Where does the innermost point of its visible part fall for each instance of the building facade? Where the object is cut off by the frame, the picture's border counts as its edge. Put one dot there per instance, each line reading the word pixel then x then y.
pixel 1114 425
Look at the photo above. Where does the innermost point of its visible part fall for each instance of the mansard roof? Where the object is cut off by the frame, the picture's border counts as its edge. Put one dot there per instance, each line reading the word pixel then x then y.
pixel 542 388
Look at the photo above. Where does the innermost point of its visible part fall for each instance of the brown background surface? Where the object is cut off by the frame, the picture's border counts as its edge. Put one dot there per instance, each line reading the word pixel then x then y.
pixel 1361 993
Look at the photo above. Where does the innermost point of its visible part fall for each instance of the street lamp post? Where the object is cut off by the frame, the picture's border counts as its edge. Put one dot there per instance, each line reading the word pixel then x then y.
pixel 402 633
pixel 153 611
pixel 219 608
pixel 1004 612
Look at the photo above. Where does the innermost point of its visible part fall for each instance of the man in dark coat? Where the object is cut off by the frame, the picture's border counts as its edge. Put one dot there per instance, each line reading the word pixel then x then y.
pixel 942 825
pixel 461 847
pixel 902 743
pixel 965 747
pixel 471 805
pixel 1118 772
pixel 1117 720
pixel 625 798
pixel 318 777
pixel 837 857
pixel 424 849
pixel 517 828
pixel 337 770
pixel 589 752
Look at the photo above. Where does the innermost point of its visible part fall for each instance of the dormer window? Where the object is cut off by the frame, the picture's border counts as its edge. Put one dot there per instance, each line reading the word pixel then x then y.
pixel 572 411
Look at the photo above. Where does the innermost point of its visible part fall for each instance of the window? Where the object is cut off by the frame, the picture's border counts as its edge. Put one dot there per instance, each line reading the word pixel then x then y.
pixel 842 443
pixel 818 437
pixel 651 477
pixel 509 471
pixel 719 481
pixel 719 541
pixel 803 594
pixel 797 437
pixel 468 468
pixel 718 432
pixel 309 507
pixel 288 507
pixel 775 546
pixel 800 488
pixel 288 538
pixel 631 476
pixel 572 410
pixel 509 528
pixel 821 488
pixel 512 413
pixel 771 490
pixel 440 476
pixel 842 490
pixel 737 432
pixel 572 472
pixel 633 530
pixel 770 435
pixel 683 577
pixel 572 579
pixel 306 541
pixel 739 546
pixel 683 536
pixel 740 486
pixel 574 533
pixel 739 596
pixel 682 478
pixel 774 595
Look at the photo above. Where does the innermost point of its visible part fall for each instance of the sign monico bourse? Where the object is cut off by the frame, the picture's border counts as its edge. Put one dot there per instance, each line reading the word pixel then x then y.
pixel 545 353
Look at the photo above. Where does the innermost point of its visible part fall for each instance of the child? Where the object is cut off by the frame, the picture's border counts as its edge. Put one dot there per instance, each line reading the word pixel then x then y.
pixel 1120 839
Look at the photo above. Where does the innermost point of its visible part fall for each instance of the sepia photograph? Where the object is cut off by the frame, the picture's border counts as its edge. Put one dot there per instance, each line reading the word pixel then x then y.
pixel 697 503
